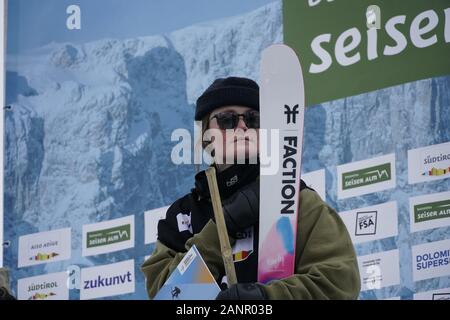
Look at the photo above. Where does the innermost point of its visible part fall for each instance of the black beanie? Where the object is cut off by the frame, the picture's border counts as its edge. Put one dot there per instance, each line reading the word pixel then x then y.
pixel 228 91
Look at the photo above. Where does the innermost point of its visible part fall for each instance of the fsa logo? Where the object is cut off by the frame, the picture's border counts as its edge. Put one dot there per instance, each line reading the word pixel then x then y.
pixel 366 223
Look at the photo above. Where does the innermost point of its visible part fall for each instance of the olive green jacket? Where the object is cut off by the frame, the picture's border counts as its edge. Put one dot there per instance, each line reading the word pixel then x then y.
pixel 325 265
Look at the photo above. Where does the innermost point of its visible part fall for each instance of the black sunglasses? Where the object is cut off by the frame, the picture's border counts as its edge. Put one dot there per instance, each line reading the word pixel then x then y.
pixel 230 120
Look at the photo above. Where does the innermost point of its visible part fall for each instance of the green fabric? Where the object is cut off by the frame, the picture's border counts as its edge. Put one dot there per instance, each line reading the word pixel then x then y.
pixel 326 264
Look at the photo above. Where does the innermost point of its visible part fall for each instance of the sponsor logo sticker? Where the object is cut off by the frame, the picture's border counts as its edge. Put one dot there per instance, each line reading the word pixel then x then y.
pixel 108 236
pixel 429 163
pixel 52 286
pixel 366 223
pixel 107 280
pixel 431 260
pixel 371 223
pixel 366 176
pixel 44 247
pixel 379 270
pixel 184 222
pixel 429 211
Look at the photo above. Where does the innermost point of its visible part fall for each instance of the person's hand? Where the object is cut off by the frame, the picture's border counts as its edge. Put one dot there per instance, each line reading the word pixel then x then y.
pixel 243 291
pixel 241 210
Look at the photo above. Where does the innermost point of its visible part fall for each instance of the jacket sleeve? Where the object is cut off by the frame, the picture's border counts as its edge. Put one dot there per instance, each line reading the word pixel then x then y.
pixel 326 264
pixel 164 259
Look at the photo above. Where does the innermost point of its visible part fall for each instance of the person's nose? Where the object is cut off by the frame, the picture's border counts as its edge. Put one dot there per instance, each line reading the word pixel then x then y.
pixel 241 124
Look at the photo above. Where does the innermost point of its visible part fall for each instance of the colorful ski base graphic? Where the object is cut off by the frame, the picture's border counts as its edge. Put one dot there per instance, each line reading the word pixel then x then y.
pixel 282 102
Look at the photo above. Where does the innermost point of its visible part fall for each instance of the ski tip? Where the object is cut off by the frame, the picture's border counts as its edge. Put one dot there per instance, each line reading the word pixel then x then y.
pixel 280 48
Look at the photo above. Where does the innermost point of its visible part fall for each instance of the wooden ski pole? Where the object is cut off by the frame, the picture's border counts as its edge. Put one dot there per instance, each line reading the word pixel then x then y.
pixel 225 246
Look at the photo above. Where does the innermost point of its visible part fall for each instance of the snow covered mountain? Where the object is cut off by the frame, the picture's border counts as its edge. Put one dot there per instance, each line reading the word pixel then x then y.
pixel 89 135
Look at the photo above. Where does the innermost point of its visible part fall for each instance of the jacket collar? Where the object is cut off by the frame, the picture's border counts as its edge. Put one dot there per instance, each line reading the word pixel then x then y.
pixel 229 180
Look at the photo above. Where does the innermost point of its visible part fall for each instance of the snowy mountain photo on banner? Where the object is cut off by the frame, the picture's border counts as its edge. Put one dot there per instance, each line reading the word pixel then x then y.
pixel 88 137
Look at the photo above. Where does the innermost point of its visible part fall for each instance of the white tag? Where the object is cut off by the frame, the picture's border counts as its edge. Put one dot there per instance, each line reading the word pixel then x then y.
pixel 184 222
pixel 187 260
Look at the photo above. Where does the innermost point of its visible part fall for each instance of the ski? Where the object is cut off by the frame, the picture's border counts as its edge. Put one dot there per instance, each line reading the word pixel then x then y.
pixel 282 104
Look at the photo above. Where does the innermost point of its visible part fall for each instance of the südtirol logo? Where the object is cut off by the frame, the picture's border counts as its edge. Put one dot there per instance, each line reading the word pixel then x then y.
pixel 50 286
pixel 39 287
pixel 41 296
pixel 429 163
pixel 436 164
pixel 432 211
pixel 109 236
pixel 366 176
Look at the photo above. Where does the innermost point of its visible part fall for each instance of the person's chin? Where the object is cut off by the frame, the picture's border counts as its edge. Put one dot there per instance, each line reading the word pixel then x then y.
pixel 250 156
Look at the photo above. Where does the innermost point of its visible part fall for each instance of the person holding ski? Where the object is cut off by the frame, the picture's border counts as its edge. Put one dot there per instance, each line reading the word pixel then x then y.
pixel 325 261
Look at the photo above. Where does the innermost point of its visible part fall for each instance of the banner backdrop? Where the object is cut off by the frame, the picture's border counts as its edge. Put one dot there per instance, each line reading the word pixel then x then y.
pixel 385 142
pixel 344 55
pixel 95 98
pixel 2 99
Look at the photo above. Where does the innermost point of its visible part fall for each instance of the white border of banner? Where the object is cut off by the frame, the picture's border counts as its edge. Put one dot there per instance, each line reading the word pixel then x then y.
pixel 151 219
pixel 316 180
pixel 3 7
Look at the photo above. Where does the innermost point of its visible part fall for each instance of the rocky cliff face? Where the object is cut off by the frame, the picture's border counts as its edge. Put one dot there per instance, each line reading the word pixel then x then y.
pixel 89 135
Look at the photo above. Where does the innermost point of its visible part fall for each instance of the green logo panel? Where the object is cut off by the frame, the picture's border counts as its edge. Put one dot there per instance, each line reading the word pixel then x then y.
pixel 366 176
pixel 342 54
pixel 431 211
pixel 108 236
